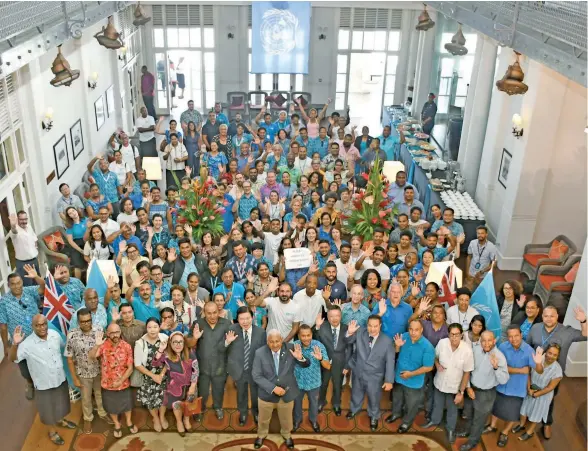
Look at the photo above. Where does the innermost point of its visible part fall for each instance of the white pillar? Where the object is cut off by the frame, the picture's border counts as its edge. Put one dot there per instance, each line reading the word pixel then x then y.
pixel 424 66
pixel 476 113
pixel 409 64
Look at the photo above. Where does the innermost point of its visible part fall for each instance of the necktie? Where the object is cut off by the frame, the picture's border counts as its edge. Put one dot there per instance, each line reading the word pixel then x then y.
pixel 371 339
pixel 334 337
pixel 246 353
pixel 277 362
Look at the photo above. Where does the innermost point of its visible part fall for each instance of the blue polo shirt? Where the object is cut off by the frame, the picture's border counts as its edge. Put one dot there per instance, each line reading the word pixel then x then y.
pixel 133 239
pixel 237 294
pixel 143 311
pixel 395 320
pixel 338 289
pixel 516 358
pixel 228 218
pixel 411 357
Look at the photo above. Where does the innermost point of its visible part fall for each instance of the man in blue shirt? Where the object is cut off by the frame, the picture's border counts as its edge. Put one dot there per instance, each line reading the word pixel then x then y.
pixel 106 180
pixel 17 309
pixel 455 228
pixel 143 300
pixel 394 312
pixel 126 235
pixel 388 142
pixel 355 310
pixel 396 190
pixel 520 359
pixel 309 378
pixel 97 310
pixel 221 117
pixel 335 288
pixel 241 262
pixel 320 144
pixel 408 201
pixel 72 287
pixel 416 357
pixel 233 291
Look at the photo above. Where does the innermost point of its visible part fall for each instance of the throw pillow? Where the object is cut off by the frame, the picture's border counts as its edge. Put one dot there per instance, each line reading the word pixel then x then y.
pixel 302 101
pixel 54 241
pixel 237 101
pixel 572 273
pixel 279 99
pixel 557 249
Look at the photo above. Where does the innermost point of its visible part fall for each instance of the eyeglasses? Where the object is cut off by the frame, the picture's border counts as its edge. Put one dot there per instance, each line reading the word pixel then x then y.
pixel 177 342
pixel 85 321
pixel 455 334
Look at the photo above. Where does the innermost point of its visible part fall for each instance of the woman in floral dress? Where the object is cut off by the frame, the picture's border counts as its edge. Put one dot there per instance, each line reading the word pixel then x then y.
pixel 150 394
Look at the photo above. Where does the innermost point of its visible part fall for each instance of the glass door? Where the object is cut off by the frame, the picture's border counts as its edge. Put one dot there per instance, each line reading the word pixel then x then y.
pixel 7 259
pixel 162 84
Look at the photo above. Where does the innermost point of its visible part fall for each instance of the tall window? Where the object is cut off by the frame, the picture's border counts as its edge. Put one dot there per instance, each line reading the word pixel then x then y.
pixel 455 74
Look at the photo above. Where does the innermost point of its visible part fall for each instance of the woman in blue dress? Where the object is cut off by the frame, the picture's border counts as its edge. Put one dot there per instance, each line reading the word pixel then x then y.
pixel 282 140
pixel 216 161
pixel 192 143
pixel 314 205
pixel 75 230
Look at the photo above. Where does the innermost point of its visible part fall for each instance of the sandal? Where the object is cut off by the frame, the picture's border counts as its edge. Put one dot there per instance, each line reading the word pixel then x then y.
pixel 164 423
pixel 526 436
pixel 518 428
pixel 502 440
pixel 488 429
pixel 56 439
pixel 133 429
pixel 68 424
pixel 117 433
pixel 188 426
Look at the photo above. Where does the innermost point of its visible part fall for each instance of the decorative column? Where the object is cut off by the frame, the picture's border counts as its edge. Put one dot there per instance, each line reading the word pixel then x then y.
pixel 407 57
pixel 476 111
pixel 424 65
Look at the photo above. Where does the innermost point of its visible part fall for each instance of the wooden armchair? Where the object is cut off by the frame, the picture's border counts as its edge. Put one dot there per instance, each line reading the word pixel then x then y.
pixel 53 244
pixel 552 279
pixel 554 253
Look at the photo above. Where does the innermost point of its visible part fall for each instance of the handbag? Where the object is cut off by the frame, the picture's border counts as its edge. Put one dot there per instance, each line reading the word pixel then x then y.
pixel 136 378
pixel 193 407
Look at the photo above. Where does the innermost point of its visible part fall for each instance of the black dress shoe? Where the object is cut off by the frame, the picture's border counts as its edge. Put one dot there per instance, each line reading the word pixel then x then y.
pixel 242 420
pixel 467 447
pixel 403 428
pixel 321 407
pixel 373 424
pixel 316 427
pixel 296 426
pixel 258 443
pixel 350 415
pixel 451 436
pixel 289 443
pixel 392 418
pixel 428 425
pixel 337 411
pixel 256 418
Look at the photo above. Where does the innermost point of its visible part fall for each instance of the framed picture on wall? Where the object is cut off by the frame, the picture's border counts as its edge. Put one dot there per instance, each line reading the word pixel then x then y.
pixel 504 167
pixel 110 100
pixel 77 138
pixel 100 112
pixel 61 156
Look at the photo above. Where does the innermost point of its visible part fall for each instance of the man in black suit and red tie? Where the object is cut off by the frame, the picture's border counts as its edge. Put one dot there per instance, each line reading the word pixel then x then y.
pixel 337 339
pixel 242 344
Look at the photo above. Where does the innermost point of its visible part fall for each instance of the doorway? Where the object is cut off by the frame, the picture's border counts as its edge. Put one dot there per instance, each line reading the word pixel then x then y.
pixel 366 89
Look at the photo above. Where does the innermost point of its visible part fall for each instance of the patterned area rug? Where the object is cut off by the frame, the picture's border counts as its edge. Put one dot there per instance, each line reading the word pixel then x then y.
pixel 217 435
pixel 151 441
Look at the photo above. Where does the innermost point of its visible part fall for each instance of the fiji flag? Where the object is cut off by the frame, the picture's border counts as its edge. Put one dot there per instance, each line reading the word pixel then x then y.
pixel 56 306
pixel 484 301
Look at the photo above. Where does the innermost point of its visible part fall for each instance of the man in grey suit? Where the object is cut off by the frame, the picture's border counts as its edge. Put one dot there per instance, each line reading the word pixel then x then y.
pixel 273 371
pixel 336 338
pixel 372 367
pixel 243 340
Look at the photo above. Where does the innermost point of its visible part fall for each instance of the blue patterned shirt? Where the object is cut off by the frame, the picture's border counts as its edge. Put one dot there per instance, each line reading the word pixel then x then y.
pixel 212 161
pixel 99 317
pixel 319 145
pixel 108 184
pixel 165 290
pixel 360 315
pixel 137 186
pixel 455 228
pixel 240 269
pixel 258 316
pixel 309 378
pixel 14 313
pixel 322 261
pixel 74 290
pixel 439 253
pixel 246 204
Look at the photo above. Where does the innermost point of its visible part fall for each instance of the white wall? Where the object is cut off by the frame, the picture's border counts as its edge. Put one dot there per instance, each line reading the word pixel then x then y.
pixel 69 104
pixel 577 362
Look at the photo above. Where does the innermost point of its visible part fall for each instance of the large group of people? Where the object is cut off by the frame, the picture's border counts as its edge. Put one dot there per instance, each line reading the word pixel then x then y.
pixel 187 313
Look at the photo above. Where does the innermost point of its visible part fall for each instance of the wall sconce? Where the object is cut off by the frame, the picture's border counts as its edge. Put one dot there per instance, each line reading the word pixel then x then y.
pixel 47 121
pixel 517 125
pixel 93 80
pixel 123 53
pixel 322 35
pixel 231 33
pixel 585 129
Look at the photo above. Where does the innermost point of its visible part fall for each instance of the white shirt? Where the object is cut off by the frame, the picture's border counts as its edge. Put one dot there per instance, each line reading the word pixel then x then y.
pixel 272 243
pixel 188 312
pixel 129 153
pixel 382 269
pixel 281 316
pixel 342 273
pixel 176 152
pixel 455 316
pixel 124 217
pixel 145 122
pixel 44 359
pixel 120 170
pixel 109 227
pixel 98 253
pixel 25 243
pixel 249 333
pixel 455 363
pixel 303 166
pixel 348 130
pixel 310 306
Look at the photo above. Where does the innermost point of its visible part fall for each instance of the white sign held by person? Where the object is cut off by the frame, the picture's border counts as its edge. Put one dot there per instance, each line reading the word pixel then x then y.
pixel 298 257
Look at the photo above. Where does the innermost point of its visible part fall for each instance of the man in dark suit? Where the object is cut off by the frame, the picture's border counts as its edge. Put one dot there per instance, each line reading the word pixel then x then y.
pixel 336 338
pixel 241 351
pixel 273 371
pixel 211 333
pixel 372 366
